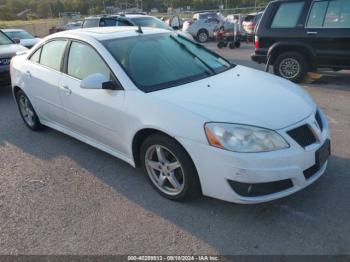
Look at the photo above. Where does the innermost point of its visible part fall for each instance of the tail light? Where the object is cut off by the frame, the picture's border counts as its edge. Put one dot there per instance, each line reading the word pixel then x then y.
pixel 256 42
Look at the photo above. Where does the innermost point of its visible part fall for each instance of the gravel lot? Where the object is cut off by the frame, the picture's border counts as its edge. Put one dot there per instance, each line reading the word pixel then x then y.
pixel 60 196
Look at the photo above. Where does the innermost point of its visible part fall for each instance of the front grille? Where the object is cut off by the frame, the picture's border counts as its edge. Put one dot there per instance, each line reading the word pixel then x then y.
pixel 319 120
pixel 260 189
pixel 303 135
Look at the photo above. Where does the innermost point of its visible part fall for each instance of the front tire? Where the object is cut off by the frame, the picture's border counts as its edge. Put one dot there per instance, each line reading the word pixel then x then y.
pixel 27 112
pixel 292 66
pixel 169 168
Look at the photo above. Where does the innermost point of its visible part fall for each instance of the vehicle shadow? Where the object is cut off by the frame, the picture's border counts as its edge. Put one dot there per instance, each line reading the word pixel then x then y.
pixel 267 228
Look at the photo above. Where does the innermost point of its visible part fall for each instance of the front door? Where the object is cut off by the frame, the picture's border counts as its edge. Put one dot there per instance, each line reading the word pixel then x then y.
pixel 96 114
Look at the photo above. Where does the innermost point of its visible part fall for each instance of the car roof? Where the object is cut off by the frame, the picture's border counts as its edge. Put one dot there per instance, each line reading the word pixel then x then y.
pixel 106 33
pixel 116 16
pixel 12 30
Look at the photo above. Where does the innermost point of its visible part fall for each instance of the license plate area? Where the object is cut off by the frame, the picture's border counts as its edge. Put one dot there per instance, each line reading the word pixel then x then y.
pixel 323 154
pixel 5 61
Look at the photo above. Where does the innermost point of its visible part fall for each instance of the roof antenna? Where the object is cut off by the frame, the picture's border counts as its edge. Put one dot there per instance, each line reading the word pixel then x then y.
pixel 139 30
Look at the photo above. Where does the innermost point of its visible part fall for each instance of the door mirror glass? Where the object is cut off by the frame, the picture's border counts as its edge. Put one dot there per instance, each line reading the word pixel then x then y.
pixel 94 81
pixel 17 41
pixel 99 81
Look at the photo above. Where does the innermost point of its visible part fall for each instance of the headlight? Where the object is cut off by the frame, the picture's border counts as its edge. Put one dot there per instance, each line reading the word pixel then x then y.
pixel 243 138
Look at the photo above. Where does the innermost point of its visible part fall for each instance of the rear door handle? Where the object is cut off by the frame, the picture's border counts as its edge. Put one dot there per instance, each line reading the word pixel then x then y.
pixel 28 73
pixel 311 32
pixel 66 90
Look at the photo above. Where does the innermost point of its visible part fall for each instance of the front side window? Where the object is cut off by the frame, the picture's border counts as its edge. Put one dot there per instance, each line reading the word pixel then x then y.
pixel 287 15
pixel 94 22
pixel 4 40
pixel 83 61
pixel 155 62
pixel 317 14
pixel 338 14
pixel 52 53
pixel 108 22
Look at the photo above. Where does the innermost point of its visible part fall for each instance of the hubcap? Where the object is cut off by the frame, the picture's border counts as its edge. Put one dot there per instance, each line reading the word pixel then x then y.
pixel 203 37
pixel 289 68
pixel 26 110
pixel 164 170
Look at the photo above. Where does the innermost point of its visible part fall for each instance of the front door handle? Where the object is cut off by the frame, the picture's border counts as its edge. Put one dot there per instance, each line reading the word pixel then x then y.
pixel 66 90
pixel 311 32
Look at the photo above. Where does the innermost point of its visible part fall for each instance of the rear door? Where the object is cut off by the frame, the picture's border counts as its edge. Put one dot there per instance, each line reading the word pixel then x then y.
pixel 327 30
pixel 42 78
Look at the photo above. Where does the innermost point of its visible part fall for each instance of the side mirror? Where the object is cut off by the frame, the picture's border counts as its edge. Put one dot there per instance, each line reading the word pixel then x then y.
pixel 99 81
pixel 17 41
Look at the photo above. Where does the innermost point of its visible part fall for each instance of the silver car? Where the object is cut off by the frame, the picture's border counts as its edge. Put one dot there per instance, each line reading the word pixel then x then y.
pixel 8 49
pixel 202 25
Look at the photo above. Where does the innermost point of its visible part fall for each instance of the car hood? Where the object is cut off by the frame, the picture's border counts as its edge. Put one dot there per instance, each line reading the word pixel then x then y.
pixel 8 51
pixel 245 96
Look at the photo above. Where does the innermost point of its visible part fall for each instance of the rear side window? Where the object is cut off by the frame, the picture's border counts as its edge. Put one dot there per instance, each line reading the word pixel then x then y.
pixel 124 23
pixel 317 14
pixel 338 14
pixel 83 61
pixel 287 15
pixel 52 53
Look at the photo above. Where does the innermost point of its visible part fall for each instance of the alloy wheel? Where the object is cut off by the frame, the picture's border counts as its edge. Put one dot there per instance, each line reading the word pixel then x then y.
pixel 26 110
pixel 164 170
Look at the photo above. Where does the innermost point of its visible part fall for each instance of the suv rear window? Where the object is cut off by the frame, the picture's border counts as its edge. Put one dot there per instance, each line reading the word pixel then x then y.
pixel 287 15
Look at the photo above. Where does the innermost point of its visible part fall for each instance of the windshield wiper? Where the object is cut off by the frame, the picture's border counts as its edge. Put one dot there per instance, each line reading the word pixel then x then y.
pixel 183 46
pixel 230 65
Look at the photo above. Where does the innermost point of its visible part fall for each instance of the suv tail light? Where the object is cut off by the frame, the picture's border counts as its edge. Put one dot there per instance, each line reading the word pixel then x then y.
pixel 256 42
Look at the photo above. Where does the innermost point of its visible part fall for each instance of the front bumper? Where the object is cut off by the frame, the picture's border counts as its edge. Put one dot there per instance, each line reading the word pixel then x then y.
pixel 218 168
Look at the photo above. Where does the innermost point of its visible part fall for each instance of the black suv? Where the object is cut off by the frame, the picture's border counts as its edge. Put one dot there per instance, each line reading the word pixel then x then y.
pixel 297 36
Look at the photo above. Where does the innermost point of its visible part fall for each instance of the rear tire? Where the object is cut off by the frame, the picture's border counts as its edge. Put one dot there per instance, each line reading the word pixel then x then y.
pixel 27 112
pixel 202 36
pixel 292 66
pixel 169 168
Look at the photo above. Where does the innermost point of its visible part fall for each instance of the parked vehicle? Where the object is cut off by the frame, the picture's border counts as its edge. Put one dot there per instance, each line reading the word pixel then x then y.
pixel 22 37
pixel 193 121
pixel 8 49
pixel 128 20
pixel 300 36
pixel 202 25
pixel 250 22
pixel 73 25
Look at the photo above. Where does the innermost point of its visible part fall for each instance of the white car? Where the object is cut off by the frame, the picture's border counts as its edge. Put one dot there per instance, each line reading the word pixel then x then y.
pixel 22 37
pixel 193 121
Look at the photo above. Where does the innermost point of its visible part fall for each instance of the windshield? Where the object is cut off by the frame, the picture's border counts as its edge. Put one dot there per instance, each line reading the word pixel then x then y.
pixel 19 35
pixel 150 22
pixel 155 62
pixel 4 40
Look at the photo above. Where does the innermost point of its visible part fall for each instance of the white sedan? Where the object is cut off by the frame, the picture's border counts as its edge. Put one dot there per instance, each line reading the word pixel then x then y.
pixel 196 123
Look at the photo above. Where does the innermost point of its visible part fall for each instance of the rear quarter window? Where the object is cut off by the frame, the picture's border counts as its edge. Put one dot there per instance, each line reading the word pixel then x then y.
pixel 287 15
